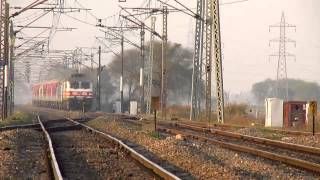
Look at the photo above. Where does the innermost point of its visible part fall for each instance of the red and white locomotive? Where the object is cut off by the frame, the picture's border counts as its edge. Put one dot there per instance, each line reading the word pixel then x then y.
pixel 74 93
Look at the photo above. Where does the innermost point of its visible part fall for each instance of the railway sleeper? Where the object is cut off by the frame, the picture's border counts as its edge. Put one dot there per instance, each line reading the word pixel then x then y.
pixel 310 166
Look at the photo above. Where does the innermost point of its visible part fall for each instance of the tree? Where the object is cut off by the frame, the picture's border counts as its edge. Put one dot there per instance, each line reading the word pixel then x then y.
pixel 179 71
pixel 298 90
pixel 131 68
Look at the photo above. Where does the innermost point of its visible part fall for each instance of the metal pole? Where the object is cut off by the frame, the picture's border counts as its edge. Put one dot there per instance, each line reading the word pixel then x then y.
pixel 197 63
pixel 155 120
pixel 99 82
pixel 5 63
pixel 12 37
pixel 164 62
pixel 142 47
pixel 2 52
pixel 121 78
pixel 313 124
pixel 218 61
pixel 150 66
pixel 208 55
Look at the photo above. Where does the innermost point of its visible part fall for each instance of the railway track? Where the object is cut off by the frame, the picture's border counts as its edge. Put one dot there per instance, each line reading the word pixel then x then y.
pixel 81 152
pixel 219 126
pixel 303 157
pixel 230 127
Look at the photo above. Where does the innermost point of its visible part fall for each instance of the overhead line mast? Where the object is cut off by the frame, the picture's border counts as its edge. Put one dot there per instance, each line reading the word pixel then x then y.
pixel 208 56
pixel 4 55
pixel 150 65
pixel 164 62
pixel 207 31
pixel 218 62
pixel 197 64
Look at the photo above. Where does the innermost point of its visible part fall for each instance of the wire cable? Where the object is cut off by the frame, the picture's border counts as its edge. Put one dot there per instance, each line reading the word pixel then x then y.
pixel 234 2
pixel 79 20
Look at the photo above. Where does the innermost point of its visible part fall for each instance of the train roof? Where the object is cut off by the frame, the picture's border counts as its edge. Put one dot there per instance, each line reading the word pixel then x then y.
pixel 46 82
pixel 72 77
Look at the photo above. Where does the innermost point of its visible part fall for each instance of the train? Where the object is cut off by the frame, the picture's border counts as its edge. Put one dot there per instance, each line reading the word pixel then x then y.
pixel 72 93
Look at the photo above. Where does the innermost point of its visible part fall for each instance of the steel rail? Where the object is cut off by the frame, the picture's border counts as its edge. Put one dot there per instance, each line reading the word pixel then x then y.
pixel 264 141
pixel 268 129
pixel 54 164
pixel 268 155
pixel 285 145
pixel 157 169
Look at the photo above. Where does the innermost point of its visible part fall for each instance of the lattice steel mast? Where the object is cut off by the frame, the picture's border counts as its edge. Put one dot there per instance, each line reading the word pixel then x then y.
pixel 150 65
pixel 197 63
pixel 282 56
pixel 4 55
pixel 218 61
pixel 142 51
pixel 164 61
pixel 208 56
pixel 207 32
pixel 11 69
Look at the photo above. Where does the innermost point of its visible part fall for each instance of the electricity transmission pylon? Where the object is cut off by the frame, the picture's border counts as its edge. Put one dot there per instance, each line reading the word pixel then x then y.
pixel 282 55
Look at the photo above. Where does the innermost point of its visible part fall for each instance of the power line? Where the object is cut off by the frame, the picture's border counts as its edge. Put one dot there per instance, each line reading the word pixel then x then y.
pixel 234 2
pixel 79 20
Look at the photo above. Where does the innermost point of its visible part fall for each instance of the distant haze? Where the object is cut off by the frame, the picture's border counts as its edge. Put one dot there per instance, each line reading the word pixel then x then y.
pixel 245 36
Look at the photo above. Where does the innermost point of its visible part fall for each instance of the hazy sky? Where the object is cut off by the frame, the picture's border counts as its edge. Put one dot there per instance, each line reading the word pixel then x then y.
pixel 245 35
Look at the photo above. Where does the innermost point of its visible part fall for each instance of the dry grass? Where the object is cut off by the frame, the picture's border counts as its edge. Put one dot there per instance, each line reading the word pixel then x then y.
pixel 17 118
pixel 235 114
pixel 178 112
pixel 243 121
pixel 309 127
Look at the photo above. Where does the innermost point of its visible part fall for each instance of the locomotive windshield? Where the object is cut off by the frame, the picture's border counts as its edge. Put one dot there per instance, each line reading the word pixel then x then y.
pixel 85 85
pixel 74 85
pixel 80 84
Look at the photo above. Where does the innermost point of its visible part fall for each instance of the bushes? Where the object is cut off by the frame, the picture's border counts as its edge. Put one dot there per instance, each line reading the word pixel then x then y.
pixel 177 111
pixel 240 114
pixel 17 118
pixel 236 109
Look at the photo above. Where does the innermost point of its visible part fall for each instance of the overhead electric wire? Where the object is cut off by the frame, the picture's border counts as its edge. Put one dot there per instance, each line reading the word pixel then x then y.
pixel 34 4
pixel 192 15
pixel 105 45
pixel 140 22
pixel 86 11
pixel 31 48
pixel 17 47
pixel 29 17
pixel 184 6
pixel 233 2
pixel 82 21
pixel 33 21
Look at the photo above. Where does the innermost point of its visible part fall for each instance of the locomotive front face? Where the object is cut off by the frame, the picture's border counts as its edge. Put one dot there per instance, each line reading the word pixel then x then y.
pixel 78 90
pixel 73 93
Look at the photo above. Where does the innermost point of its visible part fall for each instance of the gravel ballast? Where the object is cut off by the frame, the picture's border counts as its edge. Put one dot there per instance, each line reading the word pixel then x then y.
pixel 306 140
pixel 23 155
pixel 202 160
